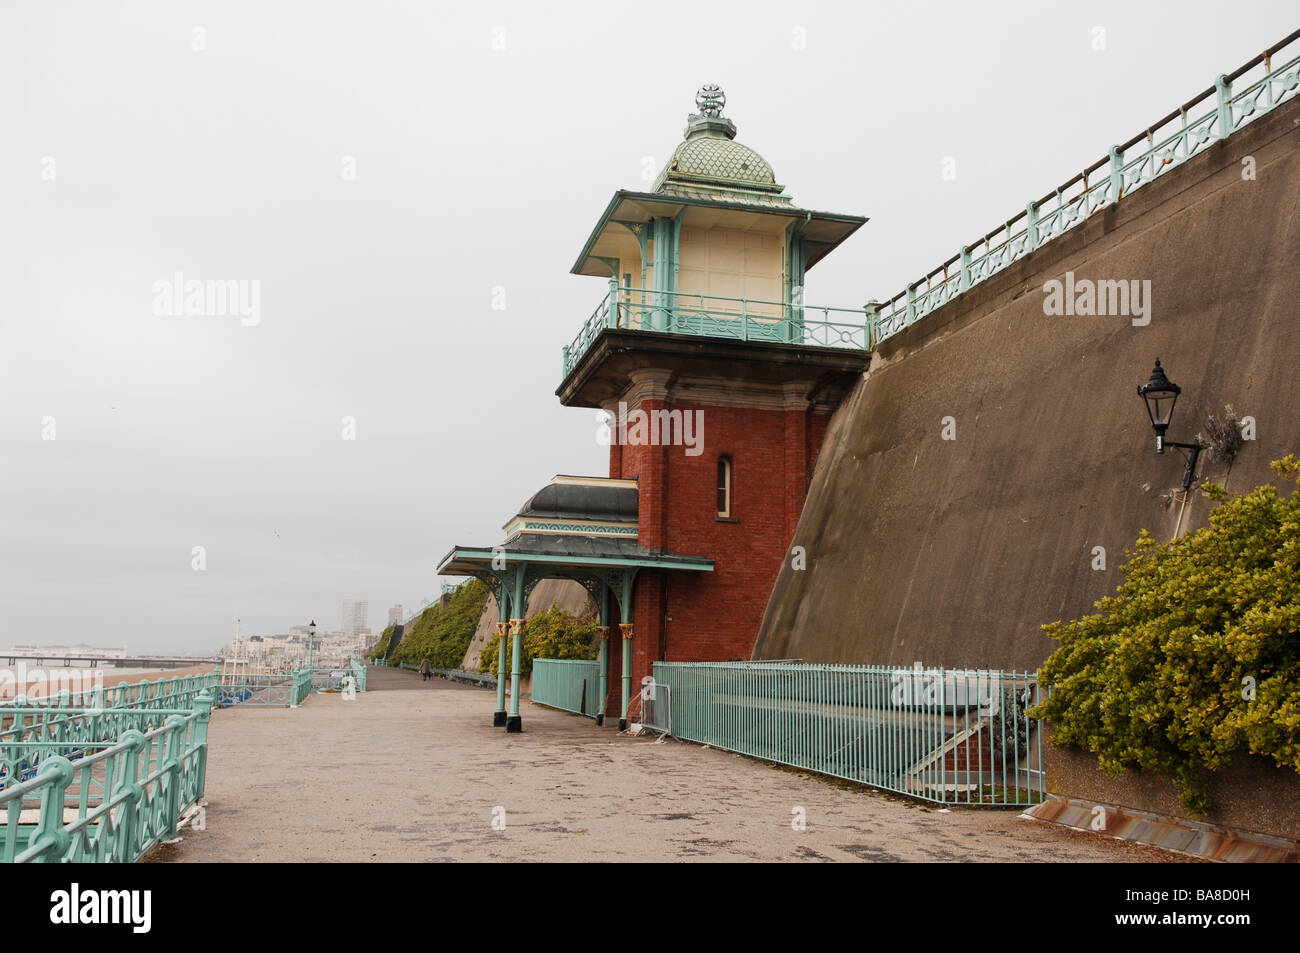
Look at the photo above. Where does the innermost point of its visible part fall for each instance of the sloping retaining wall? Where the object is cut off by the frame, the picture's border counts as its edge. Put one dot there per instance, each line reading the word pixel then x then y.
pixel 955 552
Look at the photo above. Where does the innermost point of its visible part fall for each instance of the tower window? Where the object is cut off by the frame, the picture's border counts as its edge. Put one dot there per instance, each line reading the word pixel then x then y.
pixel 724 486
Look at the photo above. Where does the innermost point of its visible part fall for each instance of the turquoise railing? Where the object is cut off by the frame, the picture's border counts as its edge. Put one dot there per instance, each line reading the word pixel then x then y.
pixel 359 673
pixel 1235 100
pixel 103 800
pixel 178 691
pixel 715 316
pixel 1187 131
pixel 952 736
pixel 569 684
pixel 30 733
pixel 265 689
pixel 456 675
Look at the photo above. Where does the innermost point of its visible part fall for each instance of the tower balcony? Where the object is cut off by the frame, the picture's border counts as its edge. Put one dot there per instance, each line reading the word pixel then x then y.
pixel 625 308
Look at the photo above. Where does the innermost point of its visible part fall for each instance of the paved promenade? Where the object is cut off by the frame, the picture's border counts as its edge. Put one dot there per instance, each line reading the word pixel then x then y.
pixel 413 771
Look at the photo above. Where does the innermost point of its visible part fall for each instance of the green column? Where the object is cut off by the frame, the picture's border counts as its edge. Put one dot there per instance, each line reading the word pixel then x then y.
pixel 602 664
pixel 665 302
pixel 626 629
pixel 625 580
pixel 503 614
pixel 514 723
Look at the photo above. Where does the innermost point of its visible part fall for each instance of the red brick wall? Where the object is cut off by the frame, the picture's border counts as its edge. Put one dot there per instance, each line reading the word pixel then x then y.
pixel 715 616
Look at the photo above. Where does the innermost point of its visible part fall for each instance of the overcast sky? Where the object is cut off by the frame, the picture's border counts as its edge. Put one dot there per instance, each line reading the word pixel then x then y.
pixel 380 169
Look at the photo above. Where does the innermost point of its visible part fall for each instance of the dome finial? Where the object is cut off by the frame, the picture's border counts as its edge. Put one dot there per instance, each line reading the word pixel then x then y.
pixel 710 100
pixel 709 121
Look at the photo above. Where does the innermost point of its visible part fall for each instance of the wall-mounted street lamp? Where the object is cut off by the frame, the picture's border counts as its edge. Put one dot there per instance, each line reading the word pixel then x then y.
pixel 1160 395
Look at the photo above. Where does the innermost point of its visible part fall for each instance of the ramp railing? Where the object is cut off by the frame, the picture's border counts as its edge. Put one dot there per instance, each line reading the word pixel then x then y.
pixel 568 684
pixel 952 736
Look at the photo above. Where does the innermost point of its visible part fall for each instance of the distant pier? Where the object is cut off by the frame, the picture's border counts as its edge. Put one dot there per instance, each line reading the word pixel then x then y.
pixel 99 661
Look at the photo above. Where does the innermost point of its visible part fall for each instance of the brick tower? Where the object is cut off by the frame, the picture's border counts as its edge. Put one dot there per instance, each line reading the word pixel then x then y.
pixel 716 380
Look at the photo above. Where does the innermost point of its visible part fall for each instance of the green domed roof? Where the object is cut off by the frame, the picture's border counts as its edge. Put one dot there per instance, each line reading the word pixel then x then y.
pixel 711 162
pixel 714 158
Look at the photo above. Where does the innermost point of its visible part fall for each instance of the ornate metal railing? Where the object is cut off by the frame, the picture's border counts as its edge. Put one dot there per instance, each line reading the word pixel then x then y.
pixel 570 684
pixel 29 733
pixel 716 316
pixel 265 689
pixel 1187 131
pixel 178 691
pixel 954 736
pixel 84 800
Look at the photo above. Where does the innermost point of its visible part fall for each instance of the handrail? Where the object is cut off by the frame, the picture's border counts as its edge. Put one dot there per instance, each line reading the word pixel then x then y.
pixel 176 691
pixel 1171 141
pixel 952 736
pixel 746 319
pixel 126 798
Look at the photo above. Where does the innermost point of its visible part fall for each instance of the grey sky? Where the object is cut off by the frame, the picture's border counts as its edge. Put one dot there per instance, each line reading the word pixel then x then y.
pixel 475 169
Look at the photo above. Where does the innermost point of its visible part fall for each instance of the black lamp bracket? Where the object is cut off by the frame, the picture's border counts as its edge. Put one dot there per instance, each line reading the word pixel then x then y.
pixel 1192 454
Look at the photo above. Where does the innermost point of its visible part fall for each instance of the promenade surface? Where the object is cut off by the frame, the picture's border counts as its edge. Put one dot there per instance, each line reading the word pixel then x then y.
pixel 412 771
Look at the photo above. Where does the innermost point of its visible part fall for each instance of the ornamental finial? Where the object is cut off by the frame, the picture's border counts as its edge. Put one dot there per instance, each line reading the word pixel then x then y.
pixel 710 100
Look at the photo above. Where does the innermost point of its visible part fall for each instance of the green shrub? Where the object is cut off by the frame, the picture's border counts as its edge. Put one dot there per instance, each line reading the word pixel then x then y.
pixel 382 646
pixel 443 633
pixel 550 634
pixel 1197 656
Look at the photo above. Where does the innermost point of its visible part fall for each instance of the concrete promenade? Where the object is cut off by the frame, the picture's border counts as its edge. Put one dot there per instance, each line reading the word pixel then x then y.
pixel 412 771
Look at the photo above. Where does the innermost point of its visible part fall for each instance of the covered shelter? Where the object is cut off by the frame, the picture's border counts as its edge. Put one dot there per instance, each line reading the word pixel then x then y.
pixel 579 528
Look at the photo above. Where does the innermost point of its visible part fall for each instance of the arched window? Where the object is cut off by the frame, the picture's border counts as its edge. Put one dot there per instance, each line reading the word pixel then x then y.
pixel 724 487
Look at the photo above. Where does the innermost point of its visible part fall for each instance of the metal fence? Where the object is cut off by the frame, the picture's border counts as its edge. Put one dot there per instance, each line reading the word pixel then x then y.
pixel 1235 100
pixel 77 787
pixel 952 736
pixel 741 319
pixel 265 689
pixel 178 691
pixel 657 707
pixel 569 684
pixel 479 679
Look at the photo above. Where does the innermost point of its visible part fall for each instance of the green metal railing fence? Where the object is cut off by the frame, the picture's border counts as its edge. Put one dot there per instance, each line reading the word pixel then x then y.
pixel 1166 144
pixel 569 684
pixel 480 679
pixel 953 736
pixel 717 316
pixel 82 800
pixel 265 689
pixel 178 691
pixel 106 774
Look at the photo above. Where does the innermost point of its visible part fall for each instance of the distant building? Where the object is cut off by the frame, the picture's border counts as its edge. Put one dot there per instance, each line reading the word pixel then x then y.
pixel 353 617
pixel 395 615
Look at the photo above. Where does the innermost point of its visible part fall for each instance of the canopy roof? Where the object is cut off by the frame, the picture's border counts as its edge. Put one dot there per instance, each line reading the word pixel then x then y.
pixel 573 526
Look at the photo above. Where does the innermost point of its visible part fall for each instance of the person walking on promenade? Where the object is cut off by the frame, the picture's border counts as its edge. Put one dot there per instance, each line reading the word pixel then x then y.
pixel 426 672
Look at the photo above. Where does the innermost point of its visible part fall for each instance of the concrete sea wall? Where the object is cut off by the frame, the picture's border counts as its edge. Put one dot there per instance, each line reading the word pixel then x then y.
pixel 955 551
